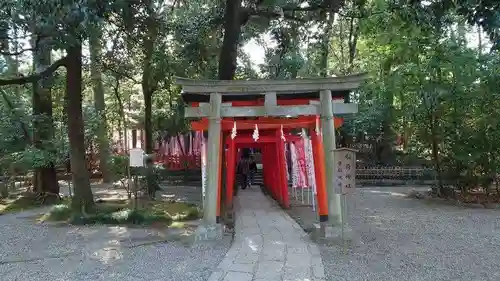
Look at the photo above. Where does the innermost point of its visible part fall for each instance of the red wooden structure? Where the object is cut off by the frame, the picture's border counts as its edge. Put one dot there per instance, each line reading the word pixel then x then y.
pixel 273 133
pixel 180 162
pixel 274 108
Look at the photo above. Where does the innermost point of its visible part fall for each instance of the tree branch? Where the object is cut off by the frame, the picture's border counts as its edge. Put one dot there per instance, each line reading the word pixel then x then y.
pixel 288 12
pixel 16 53
pixel 35 77
pixel 106 66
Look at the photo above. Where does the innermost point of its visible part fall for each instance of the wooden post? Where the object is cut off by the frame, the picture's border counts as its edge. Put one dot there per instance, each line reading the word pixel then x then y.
pixel 213 165
pixel 283 184
pixel 219 179
pixel 329 146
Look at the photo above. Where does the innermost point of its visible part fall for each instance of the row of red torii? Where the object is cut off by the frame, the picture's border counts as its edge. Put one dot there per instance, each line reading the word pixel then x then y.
pixel 232 110
pixel 186 151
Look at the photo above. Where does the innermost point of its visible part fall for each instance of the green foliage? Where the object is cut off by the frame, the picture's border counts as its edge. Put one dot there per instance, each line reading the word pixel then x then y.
pixel 92 121
pixel 118 165
pixel 433 89
pixel 119 214
pixel 428 85
pixel 115 215
pixel 27 201
pixel 60 212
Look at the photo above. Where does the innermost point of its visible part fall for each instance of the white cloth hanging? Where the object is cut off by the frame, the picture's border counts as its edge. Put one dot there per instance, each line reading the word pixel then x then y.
pixel 233 131
pixel 311 176
pixel 203 169
pixel 295 166
pixel 255 134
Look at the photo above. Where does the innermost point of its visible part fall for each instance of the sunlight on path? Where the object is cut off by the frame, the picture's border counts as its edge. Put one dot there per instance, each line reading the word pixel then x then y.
pixel 268 246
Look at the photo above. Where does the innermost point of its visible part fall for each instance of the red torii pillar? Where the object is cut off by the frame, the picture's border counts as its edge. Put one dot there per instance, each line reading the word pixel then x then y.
pixel 319 173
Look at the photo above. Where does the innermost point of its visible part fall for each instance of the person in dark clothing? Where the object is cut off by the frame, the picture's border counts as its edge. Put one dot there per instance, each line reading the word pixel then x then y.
pixel 253 170
pixel 244 170
pixel 151 178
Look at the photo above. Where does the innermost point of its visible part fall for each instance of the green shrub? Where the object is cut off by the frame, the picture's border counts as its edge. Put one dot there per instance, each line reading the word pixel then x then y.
pixel 122 217
pixel 118 165
pixel 60 212
pixel 121 213
pixel 192 213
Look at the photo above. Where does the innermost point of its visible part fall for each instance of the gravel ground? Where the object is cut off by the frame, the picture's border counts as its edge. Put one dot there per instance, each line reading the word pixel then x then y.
pixel 31 251
pixel 397 238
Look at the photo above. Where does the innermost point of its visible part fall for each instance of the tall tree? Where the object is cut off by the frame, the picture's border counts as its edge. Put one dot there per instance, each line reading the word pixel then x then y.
pixel 99 104
pixel 83 200
pixel 236 16
pixel 148 85
pixel 43 125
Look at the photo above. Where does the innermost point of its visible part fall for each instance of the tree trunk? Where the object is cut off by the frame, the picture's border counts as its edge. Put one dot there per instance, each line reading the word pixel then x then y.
pixel 325 44
pixel 45 178
pixel 147 72
pixel 83 200
pixel 134 138
pixel 229 51
pixel 148 125
pixel 100 106
pixel 122 132
pixel 147 91
pixel 435 150
pixel 387 156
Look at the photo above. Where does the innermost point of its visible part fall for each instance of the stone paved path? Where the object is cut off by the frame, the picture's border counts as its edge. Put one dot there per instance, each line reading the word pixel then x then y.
pixel 268 245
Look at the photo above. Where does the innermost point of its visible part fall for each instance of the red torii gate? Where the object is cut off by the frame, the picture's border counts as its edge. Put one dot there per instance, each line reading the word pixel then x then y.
pixel 271 143
pixel 273 106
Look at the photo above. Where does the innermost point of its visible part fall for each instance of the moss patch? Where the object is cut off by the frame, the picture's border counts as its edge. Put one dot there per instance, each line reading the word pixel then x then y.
pixel 122 212
pixel 25 202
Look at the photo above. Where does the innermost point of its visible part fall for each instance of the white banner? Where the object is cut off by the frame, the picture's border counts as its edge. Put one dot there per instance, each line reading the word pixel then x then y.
pixel 203 168
pixel 294 168
pixel 311 177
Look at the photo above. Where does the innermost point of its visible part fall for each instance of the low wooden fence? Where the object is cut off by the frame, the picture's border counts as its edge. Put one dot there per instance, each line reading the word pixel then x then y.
pixel 185 177
pixel 364 176
pixel 395 175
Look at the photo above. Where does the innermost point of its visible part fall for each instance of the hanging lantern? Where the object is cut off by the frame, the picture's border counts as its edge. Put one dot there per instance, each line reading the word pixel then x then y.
pixel 233 132
pixel 255 134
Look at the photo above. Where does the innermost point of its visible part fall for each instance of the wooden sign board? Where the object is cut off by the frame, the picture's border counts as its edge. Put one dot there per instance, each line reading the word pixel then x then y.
pixel 136 157
pixel 345 170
